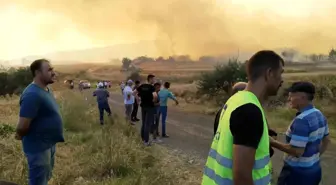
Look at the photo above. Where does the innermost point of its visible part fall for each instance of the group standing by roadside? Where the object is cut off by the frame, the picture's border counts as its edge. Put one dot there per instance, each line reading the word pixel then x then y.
pixel 243 142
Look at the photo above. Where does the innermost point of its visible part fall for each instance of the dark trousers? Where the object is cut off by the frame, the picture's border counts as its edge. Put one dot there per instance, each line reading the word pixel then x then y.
pixel 135 110
pixel 104 106
pixel 292 176
pixel 147 116
pixel 155 127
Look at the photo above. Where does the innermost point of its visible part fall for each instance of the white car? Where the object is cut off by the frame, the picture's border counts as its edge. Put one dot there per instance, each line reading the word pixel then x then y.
pixel 85 84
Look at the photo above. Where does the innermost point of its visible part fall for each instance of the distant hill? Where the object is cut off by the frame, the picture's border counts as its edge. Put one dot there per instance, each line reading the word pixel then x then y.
pixel 94 55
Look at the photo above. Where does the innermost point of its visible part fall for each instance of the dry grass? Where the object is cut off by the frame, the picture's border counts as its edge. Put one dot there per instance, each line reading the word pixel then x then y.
pixel 92 155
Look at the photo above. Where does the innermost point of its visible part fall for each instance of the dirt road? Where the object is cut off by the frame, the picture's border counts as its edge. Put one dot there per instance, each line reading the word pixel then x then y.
pixel 192 134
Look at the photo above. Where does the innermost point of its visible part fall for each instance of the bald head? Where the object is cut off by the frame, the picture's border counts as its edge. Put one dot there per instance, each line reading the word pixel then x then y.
pixel 239 86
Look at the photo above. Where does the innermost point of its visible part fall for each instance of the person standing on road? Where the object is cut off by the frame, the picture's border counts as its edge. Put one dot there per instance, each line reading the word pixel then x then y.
pixel 148 96
pixel 102 100
pixel 40 124
pixel 239 153
pixel 164 95
pixel 128 101
pixel 155 130
pixel 307 138
pixel 136 103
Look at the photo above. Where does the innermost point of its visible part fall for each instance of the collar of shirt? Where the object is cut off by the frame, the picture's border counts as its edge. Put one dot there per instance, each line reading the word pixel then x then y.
pixel 310 106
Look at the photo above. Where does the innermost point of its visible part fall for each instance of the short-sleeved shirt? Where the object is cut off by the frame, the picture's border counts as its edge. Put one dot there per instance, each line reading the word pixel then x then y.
pixel 145 92
pixel 306 131
pixel 46 127
pixel 164 94
pixel 102 95
pixel 128 92
pixel 246 126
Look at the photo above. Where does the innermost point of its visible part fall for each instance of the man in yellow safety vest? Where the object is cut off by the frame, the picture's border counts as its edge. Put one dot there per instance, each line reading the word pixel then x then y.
pixel 239 153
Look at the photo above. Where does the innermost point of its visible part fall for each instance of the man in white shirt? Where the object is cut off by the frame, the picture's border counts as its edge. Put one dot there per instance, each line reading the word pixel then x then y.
pixel 128 100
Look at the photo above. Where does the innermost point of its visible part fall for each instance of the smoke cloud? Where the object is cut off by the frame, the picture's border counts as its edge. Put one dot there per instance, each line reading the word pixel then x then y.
pixel 194 27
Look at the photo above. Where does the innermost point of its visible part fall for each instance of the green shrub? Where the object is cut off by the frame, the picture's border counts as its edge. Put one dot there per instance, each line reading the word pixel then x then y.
pixel 13 81
pixel 222 78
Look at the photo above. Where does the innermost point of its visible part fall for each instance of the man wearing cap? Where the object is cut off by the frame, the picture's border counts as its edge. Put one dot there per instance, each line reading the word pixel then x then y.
pixel 128 100
pixel 102 100
pixel 307 138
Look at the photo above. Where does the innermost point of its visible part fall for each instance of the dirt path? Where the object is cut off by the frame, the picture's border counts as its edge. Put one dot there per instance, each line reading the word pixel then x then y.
pixel 192 134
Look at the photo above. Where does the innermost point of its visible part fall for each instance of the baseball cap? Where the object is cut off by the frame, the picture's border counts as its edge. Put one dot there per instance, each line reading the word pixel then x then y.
pixel 305 87
pixel 130 81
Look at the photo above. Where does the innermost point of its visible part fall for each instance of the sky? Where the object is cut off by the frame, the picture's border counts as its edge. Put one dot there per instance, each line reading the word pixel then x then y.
pixel 194 27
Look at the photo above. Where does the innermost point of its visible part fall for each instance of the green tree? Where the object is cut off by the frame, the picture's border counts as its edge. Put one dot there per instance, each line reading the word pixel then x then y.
pixel 332 54
pixel 222 78
pixel 13 81
pixel 126 63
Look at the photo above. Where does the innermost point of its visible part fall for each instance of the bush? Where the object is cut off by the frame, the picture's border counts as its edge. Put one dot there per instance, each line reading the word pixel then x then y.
pixel 222 78
pixel 134 76
pixel 13 81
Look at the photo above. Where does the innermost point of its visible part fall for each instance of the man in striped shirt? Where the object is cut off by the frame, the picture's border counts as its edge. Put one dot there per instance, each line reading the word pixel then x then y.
pixel 307 138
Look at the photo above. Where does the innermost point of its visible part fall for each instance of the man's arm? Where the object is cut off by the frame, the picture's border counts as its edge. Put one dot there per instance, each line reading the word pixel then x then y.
pixel 29 106
pixel 326 140
pixel 171 96
pixel 299 139
pixel 246 125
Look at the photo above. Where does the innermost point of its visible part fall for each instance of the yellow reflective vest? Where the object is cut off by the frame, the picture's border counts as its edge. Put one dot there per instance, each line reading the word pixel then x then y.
pixel 218 168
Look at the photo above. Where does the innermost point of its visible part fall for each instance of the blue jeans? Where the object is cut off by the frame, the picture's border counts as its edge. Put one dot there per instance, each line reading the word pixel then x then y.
pixel 163 112
pixel 40 166
pixel 293 176
pixel 103 106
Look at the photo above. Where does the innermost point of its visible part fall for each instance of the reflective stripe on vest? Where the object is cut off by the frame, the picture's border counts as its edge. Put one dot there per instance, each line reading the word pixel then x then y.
pixel 218 169
pixel 226 181
pixel 227 163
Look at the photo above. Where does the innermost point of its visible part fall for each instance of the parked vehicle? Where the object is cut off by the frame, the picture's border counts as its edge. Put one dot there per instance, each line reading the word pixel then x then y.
pixel 84 84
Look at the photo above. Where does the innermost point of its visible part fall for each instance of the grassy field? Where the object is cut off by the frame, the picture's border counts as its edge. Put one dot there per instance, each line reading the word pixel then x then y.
pixel 92 154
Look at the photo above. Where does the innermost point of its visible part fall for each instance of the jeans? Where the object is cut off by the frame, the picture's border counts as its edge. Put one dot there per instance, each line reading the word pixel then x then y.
pixel 163 112
pixel 292 176
pixel 128 111
pixel 104 106
pixel 135 110
pixel 40 166
pixel 155 128
pixel 147 116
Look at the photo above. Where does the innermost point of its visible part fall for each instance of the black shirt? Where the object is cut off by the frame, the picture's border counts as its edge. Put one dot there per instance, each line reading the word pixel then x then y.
pixel 145 92
pixel 246 126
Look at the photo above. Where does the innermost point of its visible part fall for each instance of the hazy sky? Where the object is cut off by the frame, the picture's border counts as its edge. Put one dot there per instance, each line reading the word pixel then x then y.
pixel 196 27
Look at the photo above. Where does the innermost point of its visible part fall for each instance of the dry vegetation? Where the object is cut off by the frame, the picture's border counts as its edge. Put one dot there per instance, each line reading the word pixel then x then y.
pixel 92 155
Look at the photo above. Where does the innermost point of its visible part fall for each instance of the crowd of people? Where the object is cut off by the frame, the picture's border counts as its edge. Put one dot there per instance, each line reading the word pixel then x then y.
pixel 152 99
pixel 243 143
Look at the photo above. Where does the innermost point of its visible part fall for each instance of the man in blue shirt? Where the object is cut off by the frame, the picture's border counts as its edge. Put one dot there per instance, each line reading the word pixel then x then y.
pixel 164 95
pixel 40 125
pixel 102 99
pixel 307 138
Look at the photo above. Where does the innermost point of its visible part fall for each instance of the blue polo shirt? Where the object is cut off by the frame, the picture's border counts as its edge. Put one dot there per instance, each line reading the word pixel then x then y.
pixel 46 128
pixel 307 130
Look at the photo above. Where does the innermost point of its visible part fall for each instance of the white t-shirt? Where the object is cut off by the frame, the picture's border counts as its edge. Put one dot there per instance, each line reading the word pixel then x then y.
pixel 128 91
